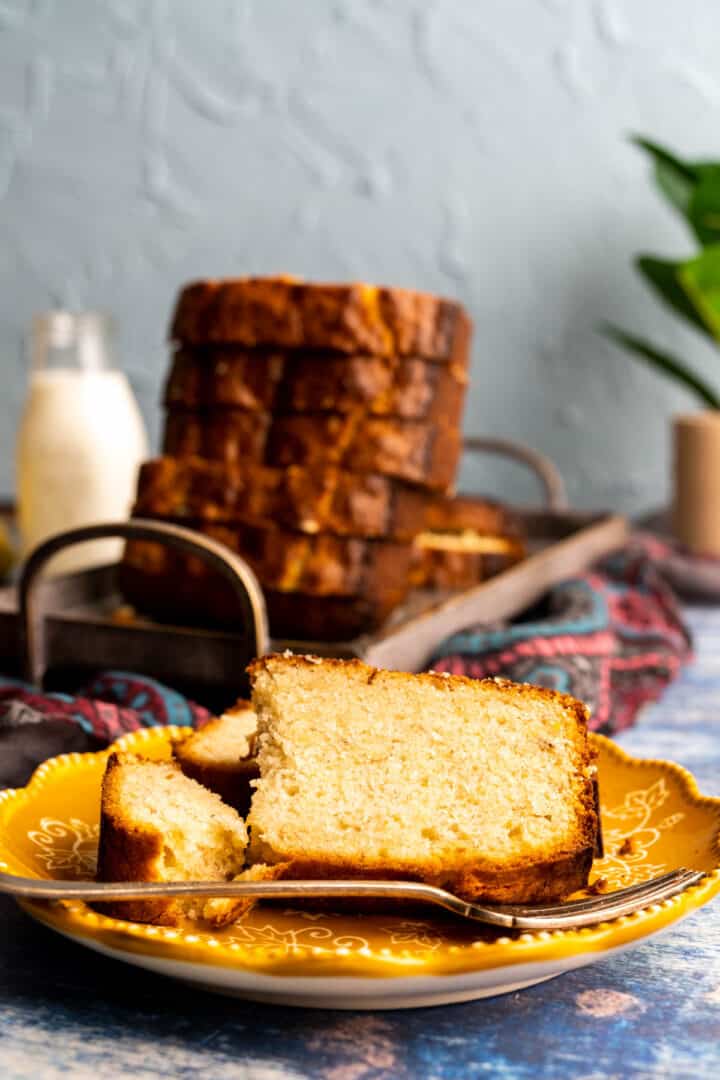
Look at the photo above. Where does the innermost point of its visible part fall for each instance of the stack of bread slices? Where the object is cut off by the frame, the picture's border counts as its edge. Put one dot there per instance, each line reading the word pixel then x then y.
pixel 308 427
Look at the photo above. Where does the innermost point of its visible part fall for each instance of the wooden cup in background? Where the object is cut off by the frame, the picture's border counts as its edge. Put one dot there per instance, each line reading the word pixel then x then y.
pixel 696 508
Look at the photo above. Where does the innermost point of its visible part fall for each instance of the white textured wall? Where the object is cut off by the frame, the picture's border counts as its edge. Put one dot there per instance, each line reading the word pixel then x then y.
pixel 474 147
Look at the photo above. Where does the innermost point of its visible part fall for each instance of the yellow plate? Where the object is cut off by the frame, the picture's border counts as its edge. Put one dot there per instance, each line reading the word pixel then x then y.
pixel 654 819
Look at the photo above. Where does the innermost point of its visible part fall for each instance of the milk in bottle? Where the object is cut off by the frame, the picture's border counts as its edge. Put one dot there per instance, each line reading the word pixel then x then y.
pixel 81 438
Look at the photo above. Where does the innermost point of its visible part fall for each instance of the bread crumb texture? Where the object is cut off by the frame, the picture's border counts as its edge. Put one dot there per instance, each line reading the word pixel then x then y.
pixel 221 755
pixel 482 786
pixel 159 825
pixel 226 741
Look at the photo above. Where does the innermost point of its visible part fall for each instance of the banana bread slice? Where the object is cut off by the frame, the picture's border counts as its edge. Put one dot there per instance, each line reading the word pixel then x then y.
pixel 351 318
pixel 221 755
pixel 308 500
pixel 482 787
pixel 255 379
pixel 410 450
pixel 158 825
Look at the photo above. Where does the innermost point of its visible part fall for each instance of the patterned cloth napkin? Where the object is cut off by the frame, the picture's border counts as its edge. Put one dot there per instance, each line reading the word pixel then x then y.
pixel 613 637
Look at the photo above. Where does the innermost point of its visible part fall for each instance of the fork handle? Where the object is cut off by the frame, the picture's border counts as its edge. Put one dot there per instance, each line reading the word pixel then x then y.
pixel 564 916
pixel 42 889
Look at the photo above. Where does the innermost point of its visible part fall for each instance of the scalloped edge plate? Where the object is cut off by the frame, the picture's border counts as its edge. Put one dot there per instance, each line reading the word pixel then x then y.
pixel 654 818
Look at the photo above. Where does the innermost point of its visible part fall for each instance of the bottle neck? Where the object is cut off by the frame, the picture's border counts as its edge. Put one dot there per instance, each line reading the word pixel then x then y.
pixel 64 340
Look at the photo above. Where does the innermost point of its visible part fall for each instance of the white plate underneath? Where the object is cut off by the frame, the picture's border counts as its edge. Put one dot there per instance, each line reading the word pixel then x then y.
pixel 350 992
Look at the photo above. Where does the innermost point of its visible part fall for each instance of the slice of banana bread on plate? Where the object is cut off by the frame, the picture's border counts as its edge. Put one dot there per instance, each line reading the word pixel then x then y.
pixel 482 787
pixel 158 825
pixel 221 757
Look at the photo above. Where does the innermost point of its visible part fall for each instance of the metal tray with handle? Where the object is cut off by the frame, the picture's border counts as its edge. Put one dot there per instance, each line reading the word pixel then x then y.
pixel 79 623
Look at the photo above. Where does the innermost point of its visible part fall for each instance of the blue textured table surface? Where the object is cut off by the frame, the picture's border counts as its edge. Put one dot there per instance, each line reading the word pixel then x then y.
pixel 651 1012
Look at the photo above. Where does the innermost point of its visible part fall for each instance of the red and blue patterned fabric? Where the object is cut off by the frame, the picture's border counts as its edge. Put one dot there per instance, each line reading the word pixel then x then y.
pixel 613 637
pixel 112 704
pixel 35 725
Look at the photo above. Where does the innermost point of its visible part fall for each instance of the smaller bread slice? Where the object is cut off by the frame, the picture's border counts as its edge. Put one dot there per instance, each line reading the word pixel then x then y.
pixel 482 787
pixel 220 755
pixel 158 825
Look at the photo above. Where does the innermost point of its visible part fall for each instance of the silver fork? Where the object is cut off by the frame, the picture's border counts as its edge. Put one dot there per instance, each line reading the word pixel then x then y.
pixel 575 913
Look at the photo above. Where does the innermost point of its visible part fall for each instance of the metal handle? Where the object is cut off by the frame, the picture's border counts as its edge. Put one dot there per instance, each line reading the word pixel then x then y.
pixel 546 470
pixel 240 577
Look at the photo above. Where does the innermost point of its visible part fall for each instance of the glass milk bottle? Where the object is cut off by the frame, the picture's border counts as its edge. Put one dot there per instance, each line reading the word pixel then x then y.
pixel 81 438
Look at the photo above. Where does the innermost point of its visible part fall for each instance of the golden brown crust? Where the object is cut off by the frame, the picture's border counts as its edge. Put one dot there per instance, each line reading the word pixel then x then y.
pixel 260 380
pixel 447 682
pixel 129 853
pixel 326 499
pixel 527 882
pixel 349 318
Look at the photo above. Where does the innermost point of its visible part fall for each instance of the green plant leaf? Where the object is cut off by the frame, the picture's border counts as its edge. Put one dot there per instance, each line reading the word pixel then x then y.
pixel 700 280
pixel 664 277
pixel 675 178
pixel 664 362
pixel 703 210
